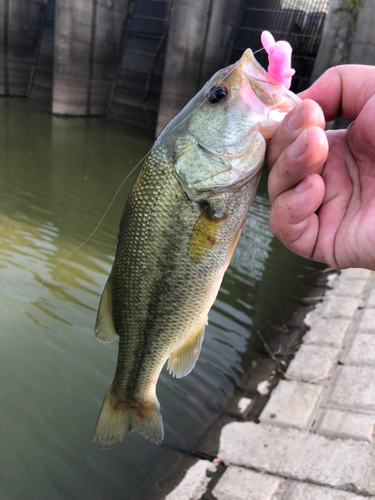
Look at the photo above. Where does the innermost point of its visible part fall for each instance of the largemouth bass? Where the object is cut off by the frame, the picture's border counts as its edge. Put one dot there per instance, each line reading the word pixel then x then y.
pixel 178 231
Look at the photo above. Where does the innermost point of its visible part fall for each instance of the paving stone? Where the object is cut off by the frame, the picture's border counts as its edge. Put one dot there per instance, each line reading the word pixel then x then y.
pixel 371 299
pixel 343 424
pixel 327 331
pixel 340 307
pixel 349 287
pixel 313 363
pixel 314 315
pixel 353 388
pixel 303 491
pixel 367 321
pixel 242 484
pixel 332 278
pixel 195 482
pixel 291 404
pixel 295 454
pixel 357 273
pixel 362 350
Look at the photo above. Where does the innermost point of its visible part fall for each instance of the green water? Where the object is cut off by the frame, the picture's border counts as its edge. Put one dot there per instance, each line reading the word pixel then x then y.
pixel 57 177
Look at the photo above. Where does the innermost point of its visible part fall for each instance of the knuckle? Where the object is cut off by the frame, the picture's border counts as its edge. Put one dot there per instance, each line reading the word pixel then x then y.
pixel 279 209
pixel 277 220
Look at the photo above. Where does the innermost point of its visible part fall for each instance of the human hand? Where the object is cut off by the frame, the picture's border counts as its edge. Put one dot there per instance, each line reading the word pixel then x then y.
pixel 322 184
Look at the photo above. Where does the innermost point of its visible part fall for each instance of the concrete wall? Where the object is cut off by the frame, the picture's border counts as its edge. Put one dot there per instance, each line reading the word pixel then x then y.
pixel 41 78
pixel 362 50
pixel 20 24
pixel 348 36
pixel 334 47
pixel 88 35
pixel 199 41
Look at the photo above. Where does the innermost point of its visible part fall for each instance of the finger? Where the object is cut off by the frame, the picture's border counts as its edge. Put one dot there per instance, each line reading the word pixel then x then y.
pixel 343 90
pixel 306 114
pixel 306 155
pixel 293 219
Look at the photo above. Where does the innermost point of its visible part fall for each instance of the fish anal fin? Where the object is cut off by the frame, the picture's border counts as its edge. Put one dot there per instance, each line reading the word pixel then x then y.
pixel 182 361
pixel 104 327
pixel 118 417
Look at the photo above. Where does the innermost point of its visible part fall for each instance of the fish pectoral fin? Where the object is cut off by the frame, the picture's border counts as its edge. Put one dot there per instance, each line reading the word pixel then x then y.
pixel 182 361
pixel 104 327
pixel 118 417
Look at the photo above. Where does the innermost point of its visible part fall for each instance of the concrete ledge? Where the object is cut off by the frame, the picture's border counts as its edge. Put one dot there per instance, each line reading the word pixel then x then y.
pixel 340 307
pixel 327 331
pixel 348 287
pixel 362 350
pixel 367 322
pixel 313 363
pixel 353 388
pixel 195 482
pixel 297 454
pixel 347 425
pixel 302 491
pixel 243 484
pixel 291 404
pixel 371 299
pixel 356 274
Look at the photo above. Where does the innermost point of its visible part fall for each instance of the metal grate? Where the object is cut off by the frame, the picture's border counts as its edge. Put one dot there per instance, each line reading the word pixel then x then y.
pixel 41 80
pixel 136 94
pixel 300 22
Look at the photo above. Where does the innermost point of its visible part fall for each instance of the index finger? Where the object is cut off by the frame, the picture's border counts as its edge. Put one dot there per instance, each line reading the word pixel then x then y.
pixel 343 90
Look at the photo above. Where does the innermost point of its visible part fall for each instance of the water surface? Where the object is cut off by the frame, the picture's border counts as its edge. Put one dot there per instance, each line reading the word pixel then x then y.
pixel 57 177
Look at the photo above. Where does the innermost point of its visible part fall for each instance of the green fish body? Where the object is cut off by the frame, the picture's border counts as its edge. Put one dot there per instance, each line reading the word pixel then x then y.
pixel 178 231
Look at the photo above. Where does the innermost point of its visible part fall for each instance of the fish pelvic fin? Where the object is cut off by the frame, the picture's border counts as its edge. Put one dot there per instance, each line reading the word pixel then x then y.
pixel 104 327
pixel 117 418
pixel 182 361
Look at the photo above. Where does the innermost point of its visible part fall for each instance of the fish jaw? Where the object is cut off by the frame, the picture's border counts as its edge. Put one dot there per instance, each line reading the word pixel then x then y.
pixel 265 96
pixel 221 144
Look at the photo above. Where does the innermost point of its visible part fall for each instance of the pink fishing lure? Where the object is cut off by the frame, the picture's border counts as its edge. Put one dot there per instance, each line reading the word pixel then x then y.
pixel 279 59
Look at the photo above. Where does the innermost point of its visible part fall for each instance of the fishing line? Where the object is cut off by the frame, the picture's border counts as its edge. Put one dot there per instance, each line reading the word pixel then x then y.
pixel 81 245
pixel 114 198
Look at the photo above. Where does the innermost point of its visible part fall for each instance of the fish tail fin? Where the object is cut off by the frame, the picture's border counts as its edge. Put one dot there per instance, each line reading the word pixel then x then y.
pixel 117 418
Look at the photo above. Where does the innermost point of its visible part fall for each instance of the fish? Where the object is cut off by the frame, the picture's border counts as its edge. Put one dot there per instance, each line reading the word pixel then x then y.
pixel 178 231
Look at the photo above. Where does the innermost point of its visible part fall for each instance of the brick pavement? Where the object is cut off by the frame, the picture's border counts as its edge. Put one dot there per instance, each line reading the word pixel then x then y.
pixel 315 439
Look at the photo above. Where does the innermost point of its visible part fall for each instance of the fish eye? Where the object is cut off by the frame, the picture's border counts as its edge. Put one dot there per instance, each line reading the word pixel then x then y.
pixel 217 94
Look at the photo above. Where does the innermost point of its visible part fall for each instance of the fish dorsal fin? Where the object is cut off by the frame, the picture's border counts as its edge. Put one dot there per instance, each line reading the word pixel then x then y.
pixel 182 361
pixel 104 328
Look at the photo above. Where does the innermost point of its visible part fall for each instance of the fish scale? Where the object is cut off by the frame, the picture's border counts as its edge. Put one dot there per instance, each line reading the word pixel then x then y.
pixel 149 282
pixel 178 231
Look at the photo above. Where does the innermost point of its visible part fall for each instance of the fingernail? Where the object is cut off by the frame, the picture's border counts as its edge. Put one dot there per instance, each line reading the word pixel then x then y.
pixel 299 146
pixel 295 120
pixel 303 185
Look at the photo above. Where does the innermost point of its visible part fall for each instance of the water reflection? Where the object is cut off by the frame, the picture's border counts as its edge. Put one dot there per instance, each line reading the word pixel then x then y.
pixel 57 177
